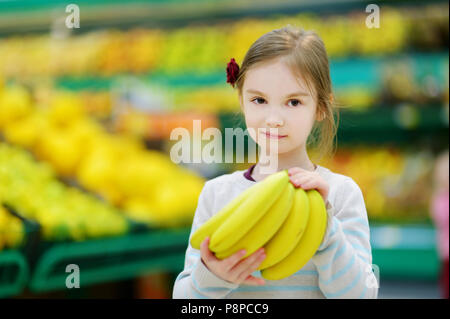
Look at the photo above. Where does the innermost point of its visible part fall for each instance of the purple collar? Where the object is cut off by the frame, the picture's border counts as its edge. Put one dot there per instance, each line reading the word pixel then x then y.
pixel 248 173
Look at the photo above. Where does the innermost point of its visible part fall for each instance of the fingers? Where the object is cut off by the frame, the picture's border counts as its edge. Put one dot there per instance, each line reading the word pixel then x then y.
pixel 234 269
pixel 301 180
pixel 234 259
pixel 244 268
pixel 307 183
pixel 253 281
pixel 206 254
pixel 296 170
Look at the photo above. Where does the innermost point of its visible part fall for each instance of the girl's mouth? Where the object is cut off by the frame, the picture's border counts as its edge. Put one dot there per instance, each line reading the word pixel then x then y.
pixel 268 135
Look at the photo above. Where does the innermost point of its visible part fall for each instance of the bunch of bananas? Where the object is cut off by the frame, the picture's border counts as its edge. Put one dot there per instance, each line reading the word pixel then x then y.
pixel 288 222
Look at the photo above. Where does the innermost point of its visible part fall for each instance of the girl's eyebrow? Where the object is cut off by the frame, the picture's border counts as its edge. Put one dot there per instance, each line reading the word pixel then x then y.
pixel 297 94
pixel 255 92
pixel 287 96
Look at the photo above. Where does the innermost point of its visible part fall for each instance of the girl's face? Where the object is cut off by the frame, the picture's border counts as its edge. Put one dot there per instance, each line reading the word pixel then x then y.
pixel 273 97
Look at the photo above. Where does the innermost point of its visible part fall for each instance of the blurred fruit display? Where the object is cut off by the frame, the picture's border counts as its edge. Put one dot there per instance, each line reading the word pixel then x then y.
pixel 408 63
pixel 63 212
pixel 146 184
pixel 419 80
pixel 12 230
pixel 208 48
pixel 395 183
pixel 159 126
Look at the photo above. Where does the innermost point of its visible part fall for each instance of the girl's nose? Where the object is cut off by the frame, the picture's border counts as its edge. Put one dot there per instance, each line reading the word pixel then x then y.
pixel 274 120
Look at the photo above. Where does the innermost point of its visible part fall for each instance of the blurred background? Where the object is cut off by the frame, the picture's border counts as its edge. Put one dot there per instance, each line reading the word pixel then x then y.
pixel 86 115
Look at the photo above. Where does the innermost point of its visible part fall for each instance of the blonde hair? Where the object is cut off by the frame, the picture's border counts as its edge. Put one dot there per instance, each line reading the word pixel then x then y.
pixel 303 51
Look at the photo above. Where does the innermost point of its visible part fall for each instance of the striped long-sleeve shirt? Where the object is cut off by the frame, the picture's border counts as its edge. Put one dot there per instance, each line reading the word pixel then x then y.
pixel 341 268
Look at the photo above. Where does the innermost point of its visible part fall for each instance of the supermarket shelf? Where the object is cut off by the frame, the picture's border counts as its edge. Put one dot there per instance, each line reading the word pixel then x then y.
pixel 416 264
pixel 14 273
pixel 40 16
pixel 111 259
pixel 405 252
pixel 400 252
pixel 345 72
pixel 376 124
pixel 401 124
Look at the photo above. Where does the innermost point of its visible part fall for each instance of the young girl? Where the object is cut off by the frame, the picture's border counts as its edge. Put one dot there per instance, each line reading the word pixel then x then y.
pixel 284 85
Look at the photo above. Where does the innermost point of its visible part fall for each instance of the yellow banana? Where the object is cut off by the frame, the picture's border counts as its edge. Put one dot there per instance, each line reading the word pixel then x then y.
pixel 289 234
pixel 308 244
pixel 266 227
pixel 249 212
pixel 208 227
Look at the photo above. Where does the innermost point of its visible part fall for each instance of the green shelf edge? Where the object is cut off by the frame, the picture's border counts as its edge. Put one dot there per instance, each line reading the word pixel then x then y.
pixel 42 279
pixel 344 72
pixel 188 12
pixel 13 257
pixel 396 262
pixel 407 264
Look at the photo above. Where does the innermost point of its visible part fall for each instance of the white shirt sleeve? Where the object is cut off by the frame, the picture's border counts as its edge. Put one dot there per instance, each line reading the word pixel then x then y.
pixel 344 259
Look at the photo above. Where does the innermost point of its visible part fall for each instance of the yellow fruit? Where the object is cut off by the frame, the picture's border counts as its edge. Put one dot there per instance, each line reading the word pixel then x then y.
pixel 15 233
pixel 11 229
pixel 249 212
pixel 62 149
pixel 65 108
pixel 96 169
pixel 24 132
pixel 211 225
pixel 4 220
pixel 139 209
pixel 266 227
pixel 289 234
pixel 308 244
pixel 15 104
pixel 63 212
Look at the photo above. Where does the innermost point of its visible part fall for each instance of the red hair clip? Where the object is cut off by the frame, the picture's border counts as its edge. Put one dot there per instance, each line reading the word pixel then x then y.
pixel 232 72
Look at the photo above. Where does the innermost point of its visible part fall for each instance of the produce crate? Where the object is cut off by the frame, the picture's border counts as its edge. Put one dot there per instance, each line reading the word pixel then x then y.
pixel 14 273
pixel 32 236
pixel 110 259
pixel 14 262
pixel 144 249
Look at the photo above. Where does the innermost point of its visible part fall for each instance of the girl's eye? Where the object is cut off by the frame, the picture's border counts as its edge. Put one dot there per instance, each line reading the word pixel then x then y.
pixel 294 102
pixel 259 100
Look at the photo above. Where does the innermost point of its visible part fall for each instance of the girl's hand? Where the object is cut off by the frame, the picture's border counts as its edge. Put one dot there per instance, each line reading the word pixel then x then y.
pixel 233 269
pixel 300 177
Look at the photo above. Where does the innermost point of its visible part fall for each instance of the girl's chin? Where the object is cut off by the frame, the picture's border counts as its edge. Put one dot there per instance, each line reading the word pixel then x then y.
pixel 281 149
